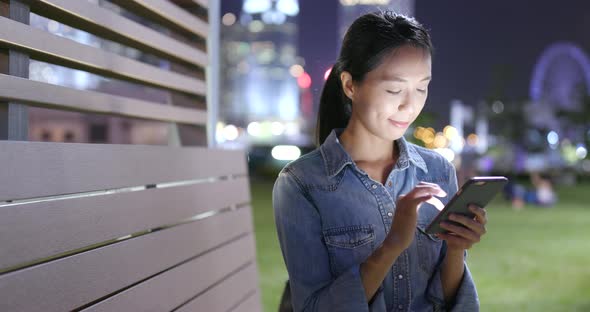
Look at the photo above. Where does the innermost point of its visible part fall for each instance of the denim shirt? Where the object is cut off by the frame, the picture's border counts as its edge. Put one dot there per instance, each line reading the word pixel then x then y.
pixel 330 216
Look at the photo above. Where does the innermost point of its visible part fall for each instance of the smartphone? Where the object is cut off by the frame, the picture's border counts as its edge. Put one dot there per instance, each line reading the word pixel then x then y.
pixel 477 190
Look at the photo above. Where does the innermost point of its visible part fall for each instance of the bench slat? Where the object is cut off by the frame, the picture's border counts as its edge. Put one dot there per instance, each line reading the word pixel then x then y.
pixel 75 281
pixel 166 291
pixel 65 225
pixel 31 169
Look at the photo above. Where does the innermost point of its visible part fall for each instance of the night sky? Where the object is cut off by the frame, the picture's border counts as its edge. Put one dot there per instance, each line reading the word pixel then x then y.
pixel 484 49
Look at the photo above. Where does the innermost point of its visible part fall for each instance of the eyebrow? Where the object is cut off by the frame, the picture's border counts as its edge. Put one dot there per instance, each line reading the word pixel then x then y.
pixel 396 78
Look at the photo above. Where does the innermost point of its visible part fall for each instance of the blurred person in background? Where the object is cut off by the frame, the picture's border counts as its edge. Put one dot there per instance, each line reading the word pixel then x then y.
pixel 541 194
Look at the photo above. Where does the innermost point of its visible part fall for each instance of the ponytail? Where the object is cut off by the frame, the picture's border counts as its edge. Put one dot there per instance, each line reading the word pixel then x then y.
pixel 335 107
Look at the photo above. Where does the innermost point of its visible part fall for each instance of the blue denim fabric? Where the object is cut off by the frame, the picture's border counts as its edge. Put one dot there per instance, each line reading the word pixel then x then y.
pixel 330 216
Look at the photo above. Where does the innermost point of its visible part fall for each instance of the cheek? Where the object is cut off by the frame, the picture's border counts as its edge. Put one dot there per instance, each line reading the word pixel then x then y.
pixel 371 103
pixel 384 102
pixel 384 107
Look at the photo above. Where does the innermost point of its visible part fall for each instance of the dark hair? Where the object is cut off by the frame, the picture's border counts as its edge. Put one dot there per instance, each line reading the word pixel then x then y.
pixel 367 41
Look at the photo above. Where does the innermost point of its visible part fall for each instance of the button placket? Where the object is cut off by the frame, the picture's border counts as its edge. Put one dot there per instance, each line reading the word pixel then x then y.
pixel 402 291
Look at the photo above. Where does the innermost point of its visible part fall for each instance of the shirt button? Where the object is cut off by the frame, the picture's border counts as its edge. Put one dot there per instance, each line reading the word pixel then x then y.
pixel 374 186
pixel 400 276
pixel 390 214
pixel 389 184
pixel 401 307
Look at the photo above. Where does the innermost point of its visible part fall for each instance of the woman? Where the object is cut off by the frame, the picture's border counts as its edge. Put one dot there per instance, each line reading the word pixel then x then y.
pixel 351 214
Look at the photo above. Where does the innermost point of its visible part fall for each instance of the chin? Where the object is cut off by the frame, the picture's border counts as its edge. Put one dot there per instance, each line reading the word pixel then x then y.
pixel 393 135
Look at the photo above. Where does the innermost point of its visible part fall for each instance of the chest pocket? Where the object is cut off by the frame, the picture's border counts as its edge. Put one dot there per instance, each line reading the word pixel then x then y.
pixel 349 246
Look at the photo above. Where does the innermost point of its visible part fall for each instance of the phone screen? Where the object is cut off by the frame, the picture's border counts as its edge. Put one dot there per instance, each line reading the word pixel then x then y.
pixel 477 190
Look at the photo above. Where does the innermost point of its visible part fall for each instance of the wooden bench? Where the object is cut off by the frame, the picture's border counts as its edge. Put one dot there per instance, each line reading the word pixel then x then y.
pixel 112 227
pixel 125 228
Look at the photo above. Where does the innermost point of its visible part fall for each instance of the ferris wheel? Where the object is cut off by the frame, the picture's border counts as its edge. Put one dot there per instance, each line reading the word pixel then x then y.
pixel 561 76
pixel 561 71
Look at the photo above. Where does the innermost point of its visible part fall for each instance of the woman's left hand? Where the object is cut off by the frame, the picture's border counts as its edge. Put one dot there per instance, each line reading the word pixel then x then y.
pixel 464 237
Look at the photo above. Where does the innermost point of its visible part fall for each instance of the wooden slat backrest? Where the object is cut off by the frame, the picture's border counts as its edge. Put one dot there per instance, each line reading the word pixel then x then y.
pixel 106 227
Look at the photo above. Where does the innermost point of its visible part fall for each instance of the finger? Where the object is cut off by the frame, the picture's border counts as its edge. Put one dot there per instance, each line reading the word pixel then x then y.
pixel 461 231
pixel 413 194
pixel 468 222
pixel 418 201
pixel 436 203
pixel 412 199
pixel 426 199
pixel 439 191
pixel 423 190
pixel 427 183
pixel 480 213
pixel 412 204
pixel 455 240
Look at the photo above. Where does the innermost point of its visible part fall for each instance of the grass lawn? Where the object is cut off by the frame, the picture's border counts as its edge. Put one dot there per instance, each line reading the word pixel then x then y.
pixel 530 260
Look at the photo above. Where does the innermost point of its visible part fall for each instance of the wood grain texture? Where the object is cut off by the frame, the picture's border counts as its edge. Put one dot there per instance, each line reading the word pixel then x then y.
pixel 35 231
pixel 75 281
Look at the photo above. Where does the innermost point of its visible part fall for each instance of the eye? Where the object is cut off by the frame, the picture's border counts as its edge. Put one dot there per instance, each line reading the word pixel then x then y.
pixel 394 92
pixel 422 90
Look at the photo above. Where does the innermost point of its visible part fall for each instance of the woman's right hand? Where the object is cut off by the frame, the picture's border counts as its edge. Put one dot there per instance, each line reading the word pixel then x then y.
pixel 402 230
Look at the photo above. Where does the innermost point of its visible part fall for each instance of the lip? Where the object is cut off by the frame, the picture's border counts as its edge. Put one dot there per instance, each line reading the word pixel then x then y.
pixel 399 124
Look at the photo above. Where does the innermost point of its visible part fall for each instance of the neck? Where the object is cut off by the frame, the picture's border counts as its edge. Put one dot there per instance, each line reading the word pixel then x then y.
pixel 363 146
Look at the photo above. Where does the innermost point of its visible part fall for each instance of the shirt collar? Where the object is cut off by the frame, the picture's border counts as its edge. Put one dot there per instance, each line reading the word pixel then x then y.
pixel 336 157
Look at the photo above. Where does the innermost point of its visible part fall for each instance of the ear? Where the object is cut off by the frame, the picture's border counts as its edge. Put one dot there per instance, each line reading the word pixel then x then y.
pixel 347 84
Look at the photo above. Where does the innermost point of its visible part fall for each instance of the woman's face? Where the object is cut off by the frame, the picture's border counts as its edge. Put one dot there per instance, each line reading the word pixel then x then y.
pixel 391 96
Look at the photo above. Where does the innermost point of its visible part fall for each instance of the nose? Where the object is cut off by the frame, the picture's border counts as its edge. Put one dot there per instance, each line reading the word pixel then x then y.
pixel 409 103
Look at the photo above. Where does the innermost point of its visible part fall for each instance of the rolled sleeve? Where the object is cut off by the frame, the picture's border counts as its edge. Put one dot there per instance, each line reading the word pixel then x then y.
pixel 313 287
pixel 466 298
